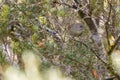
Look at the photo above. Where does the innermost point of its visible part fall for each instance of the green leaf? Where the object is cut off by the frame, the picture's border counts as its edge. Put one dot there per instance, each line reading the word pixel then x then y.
pixel 5 12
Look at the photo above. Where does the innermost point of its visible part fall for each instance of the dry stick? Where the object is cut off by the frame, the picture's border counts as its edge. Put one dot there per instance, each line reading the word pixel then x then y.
pixel 107 25
pixel 73 6
pixel 7 52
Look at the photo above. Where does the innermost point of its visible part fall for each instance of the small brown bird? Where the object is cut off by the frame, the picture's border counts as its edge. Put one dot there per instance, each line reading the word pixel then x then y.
pixel 76 29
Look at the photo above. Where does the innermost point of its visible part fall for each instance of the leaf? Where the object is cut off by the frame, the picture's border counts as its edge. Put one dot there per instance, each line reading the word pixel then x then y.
pixel 35 28
pixel 105 4
pixel 95 74
pixel 112 40
pixel 5 12
pixel 41 44
pixel 34 37
pixel 43 20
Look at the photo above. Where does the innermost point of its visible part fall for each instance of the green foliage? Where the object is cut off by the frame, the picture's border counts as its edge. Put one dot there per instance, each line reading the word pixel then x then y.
pixel 26 24
pixel 27 34
pixel 5 12
pixel 2 57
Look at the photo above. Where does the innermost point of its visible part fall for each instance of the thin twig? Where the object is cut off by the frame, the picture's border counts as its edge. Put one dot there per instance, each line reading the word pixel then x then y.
pixel 94 53
pixel 62 3
pixel 107 25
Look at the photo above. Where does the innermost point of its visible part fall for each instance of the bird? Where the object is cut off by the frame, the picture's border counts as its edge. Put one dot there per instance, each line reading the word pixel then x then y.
pixel 76 29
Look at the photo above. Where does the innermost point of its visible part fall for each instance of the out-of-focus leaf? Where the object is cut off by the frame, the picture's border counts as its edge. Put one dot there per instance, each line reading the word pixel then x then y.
pixel 34 37
pixel 43 20
pixel 35 28
pixel 105 4
pixel 61 13
pixel 112 40
pixel 41 44
pixel 5 12
pixel 95 74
